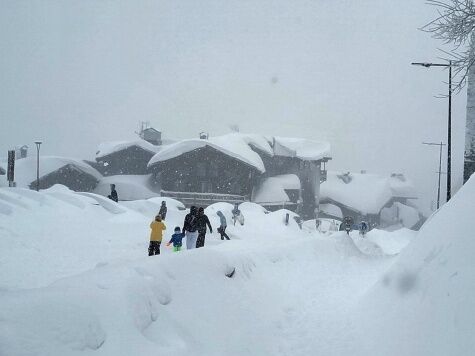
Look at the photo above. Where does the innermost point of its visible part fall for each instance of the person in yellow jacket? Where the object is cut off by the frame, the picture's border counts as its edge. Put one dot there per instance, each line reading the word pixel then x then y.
pixel 156 235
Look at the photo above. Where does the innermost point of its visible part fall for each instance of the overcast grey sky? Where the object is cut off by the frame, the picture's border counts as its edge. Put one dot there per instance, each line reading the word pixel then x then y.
pixel 76 73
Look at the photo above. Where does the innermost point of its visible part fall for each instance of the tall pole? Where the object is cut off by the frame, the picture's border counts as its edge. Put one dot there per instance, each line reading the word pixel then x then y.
pixel 440 172
pixel 449 124
pixel 440 166
pixel 449 136
pixel 38 144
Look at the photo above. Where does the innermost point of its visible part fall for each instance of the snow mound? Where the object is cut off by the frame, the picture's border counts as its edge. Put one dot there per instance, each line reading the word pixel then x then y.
pixel 129 187
pixel 430 290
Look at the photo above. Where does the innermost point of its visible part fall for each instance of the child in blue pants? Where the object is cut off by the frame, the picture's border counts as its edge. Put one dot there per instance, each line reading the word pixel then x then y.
pixel 176 239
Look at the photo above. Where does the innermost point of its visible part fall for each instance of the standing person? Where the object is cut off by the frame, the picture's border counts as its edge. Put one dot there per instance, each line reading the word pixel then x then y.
pixel 163 210
pixel 156 235
pixel 113 195
pixel 222 226
pixel 190 228
pixel 176 239
pixel 237 215
pixel 202 222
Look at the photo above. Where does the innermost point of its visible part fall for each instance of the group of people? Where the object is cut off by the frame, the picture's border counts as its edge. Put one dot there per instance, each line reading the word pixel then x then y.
pixel 193 231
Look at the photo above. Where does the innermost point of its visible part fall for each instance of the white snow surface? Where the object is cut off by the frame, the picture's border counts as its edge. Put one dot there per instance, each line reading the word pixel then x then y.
pixel 234 145
pixel 107 148
pixel 25 168
pixel 75 280
pixel 332 210
pixel 402 187
pixel 305 149
pixel 129 187
pixel 366 193
pixel 272 189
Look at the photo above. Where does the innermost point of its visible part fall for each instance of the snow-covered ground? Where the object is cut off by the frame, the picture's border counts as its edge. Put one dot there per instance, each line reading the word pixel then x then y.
pixel 75 280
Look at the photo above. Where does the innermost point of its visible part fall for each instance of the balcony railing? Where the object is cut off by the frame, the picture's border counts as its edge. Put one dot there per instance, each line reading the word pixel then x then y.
pixel 203 199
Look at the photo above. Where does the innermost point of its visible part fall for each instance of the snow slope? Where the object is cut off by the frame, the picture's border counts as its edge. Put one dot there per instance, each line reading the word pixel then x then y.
pixel 426 301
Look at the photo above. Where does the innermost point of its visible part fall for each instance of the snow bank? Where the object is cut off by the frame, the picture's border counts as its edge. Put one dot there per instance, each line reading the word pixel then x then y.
pixel 425 304
pixel 129 187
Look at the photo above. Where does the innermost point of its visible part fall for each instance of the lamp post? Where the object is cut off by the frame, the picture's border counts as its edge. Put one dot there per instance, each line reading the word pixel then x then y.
pixel 38 144
pixel 440 166
pixel 449 125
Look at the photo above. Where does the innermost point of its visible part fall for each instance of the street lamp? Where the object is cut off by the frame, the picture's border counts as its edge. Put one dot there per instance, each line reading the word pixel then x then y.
pixel 38 144
pixel 449 129
pixel 440 166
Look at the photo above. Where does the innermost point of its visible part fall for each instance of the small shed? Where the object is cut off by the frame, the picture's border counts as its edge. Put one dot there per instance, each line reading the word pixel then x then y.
pixel 152 136
pixel 74 174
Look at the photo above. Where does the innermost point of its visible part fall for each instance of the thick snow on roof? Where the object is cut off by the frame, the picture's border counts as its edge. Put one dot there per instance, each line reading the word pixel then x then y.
pixel 258 141
pixel 234 145
pixel 25 168
pixel 301 148
pixel 108 148
pixel 366 193
pixel 272 189
pixel 401 186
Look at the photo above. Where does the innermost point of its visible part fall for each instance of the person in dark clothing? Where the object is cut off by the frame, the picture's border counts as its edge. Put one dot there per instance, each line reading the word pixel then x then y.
pixel 163 210
pixel 190 228
pixel 113 195
pixel 222 226
pixel 202 222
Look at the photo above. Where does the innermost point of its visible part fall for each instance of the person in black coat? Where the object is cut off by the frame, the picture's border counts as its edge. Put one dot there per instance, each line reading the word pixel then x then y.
pixel 190 228
pixel 202 222
pixel 163 210
pixel 113 195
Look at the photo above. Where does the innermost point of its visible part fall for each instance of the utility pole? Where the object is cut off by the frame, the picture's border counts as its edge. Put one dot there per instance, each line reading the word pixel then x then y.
pixel 449 124
pixel 38 144
pixel 440 166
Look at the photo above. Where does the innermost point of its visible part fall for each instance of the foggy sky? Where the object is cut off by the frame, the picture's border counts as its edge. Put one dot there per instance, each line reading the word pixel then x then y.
pixel 78 73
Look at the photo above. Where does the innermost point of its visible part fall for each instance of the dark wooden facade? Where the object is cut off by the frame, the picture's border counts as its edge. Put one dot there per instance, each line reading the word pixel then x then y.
pixel 205 170
pixel 70 176
pixel 132 160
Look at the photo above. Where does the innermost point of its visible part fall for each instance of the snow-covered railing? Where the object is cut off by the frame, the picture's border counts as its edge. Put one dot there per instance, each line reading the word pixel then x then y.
pixel 203 199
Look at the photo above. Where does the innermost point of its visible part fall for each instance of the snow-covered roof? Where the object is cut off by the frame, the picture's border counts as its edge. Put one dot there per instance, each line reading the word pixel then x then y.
pixel 25 169
pixel 302 148
pixel 258 141
pixel 272 189
pixel 234 145
pixel 108 148
pixel 366 193
pixel 402 187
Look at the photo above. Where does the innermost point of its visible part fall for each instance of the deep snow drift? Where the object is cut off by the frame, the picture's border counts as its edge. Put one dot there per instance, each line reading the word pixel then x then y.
pixel 75 280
